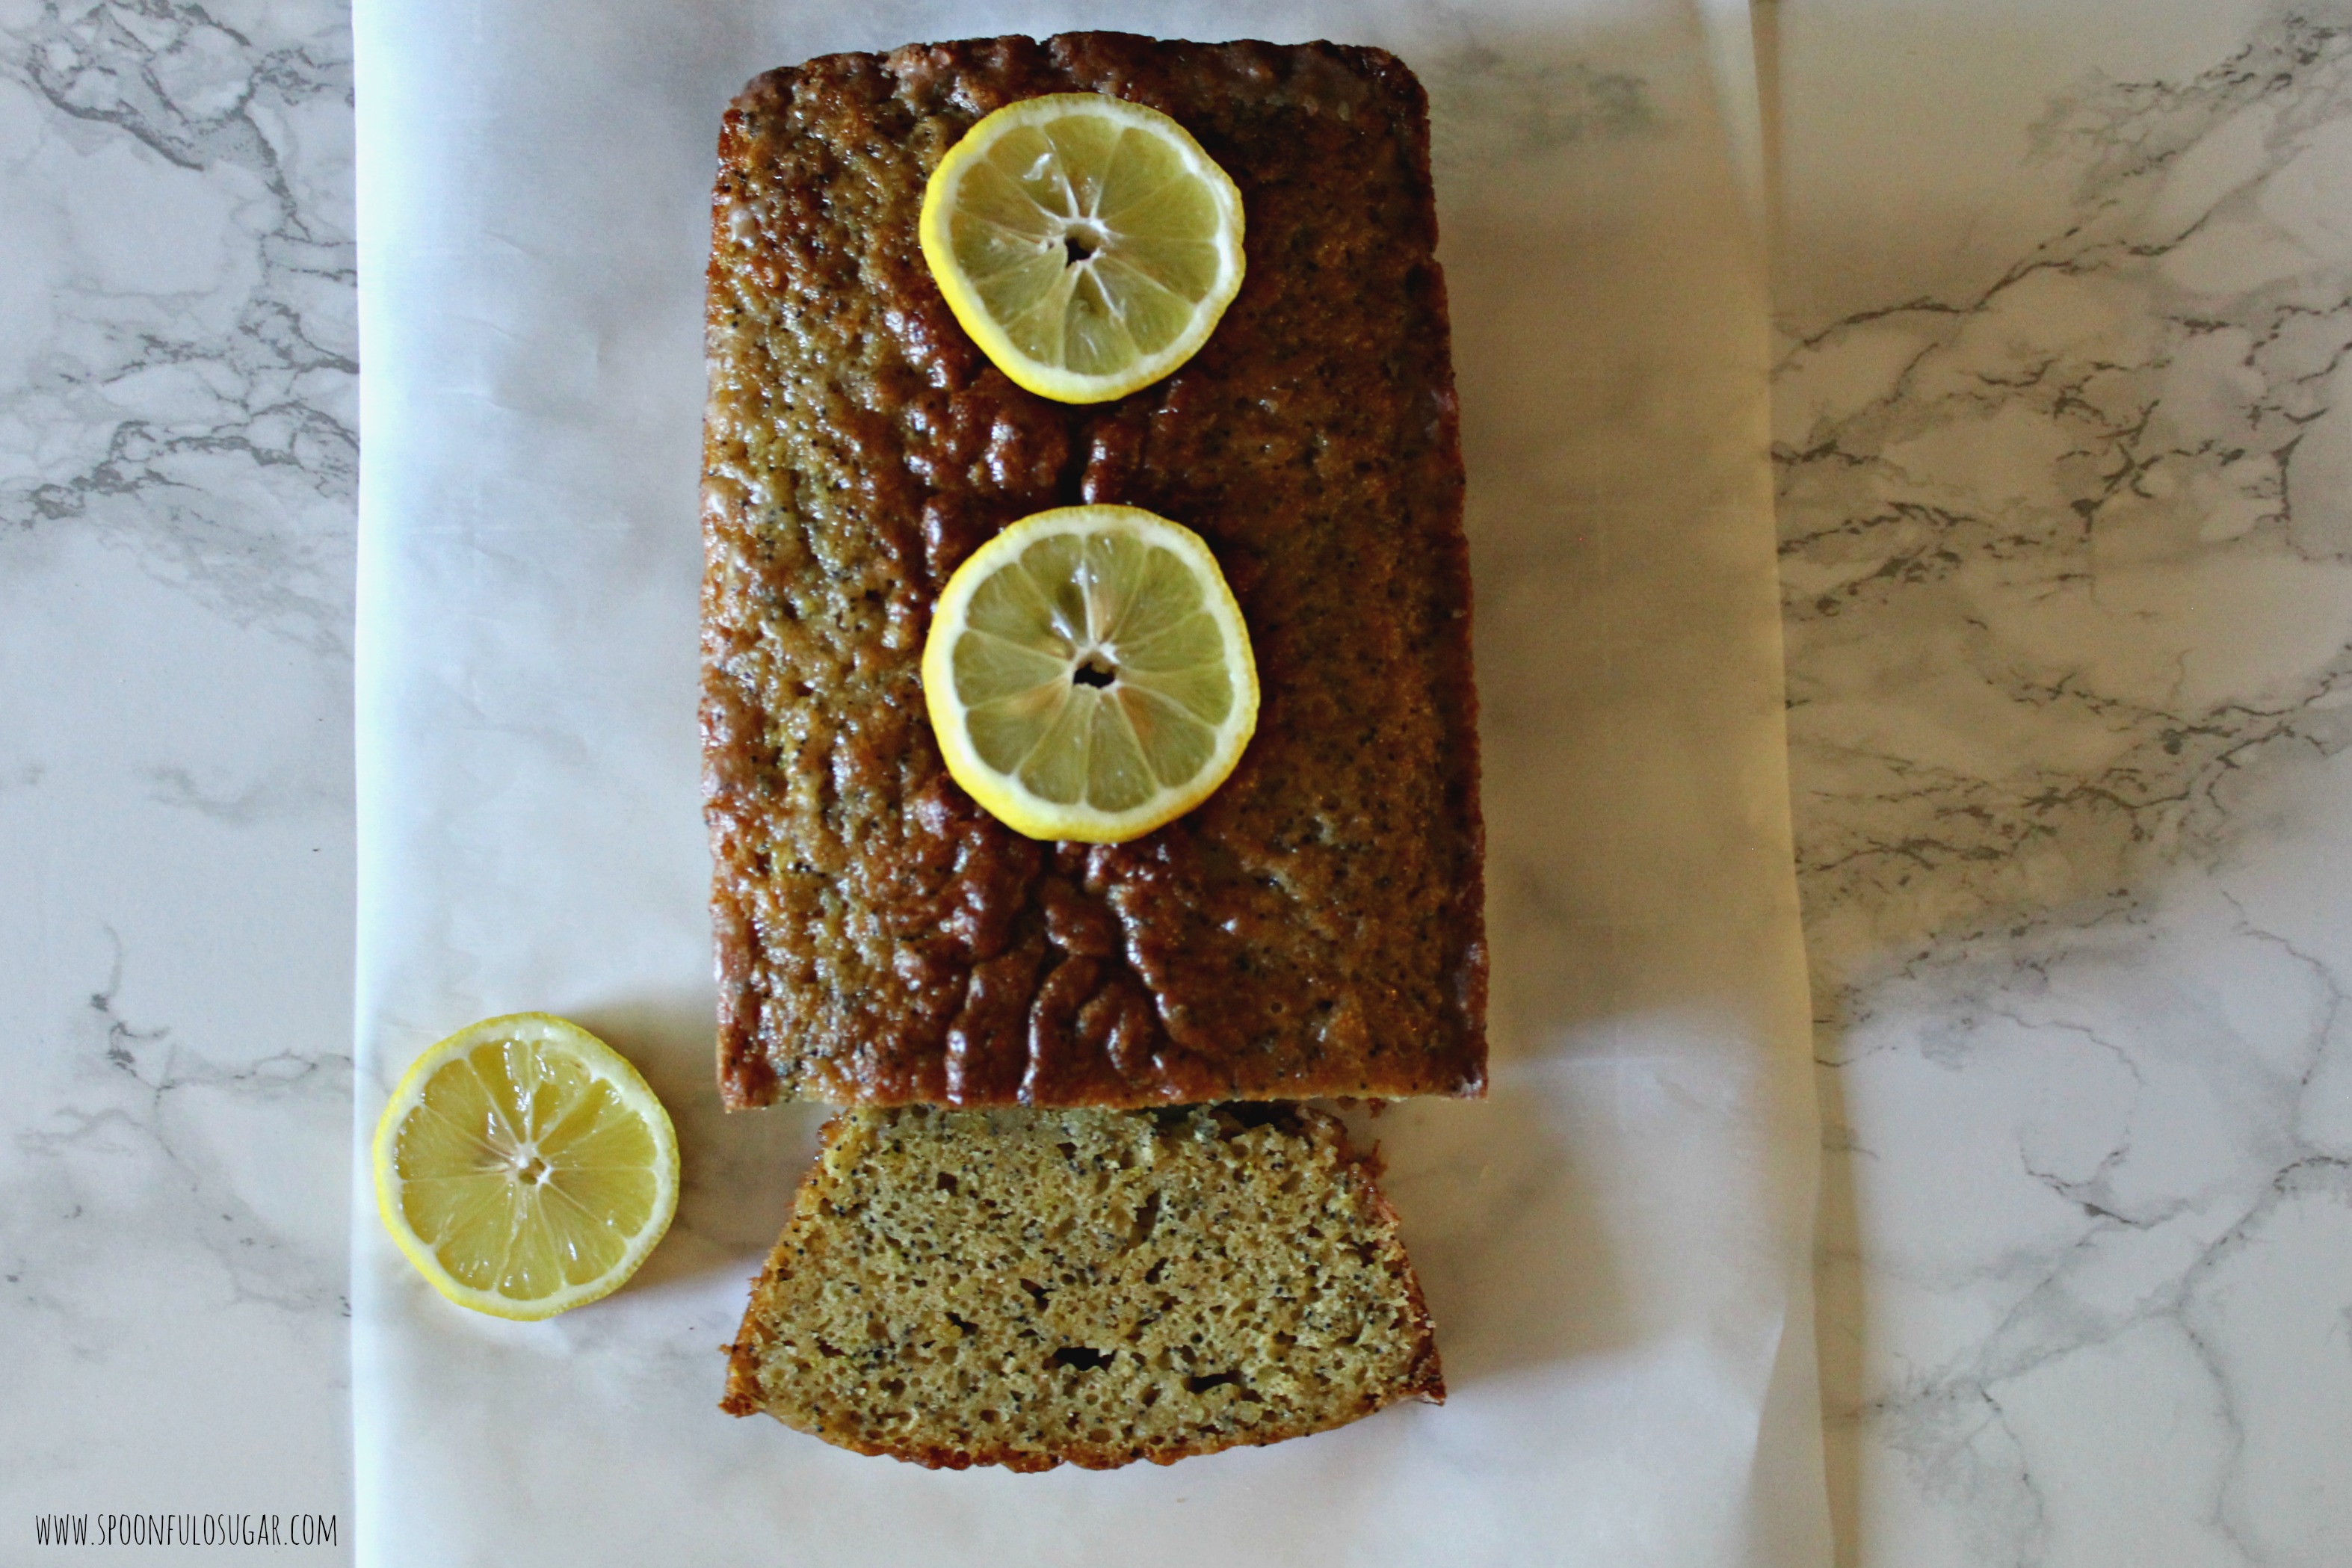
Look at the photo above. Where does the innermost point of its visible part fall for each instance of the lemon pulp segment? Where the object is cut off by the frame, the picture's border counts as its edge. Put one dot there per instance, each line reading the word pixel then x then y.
pixel 1088 674
pixel 1087 244
pixel 525 1167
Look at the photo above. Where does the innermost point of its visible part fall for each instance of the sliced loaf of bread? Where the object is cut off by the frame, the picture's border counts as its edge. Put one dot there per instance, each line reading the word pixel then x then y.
pixel 1026 1287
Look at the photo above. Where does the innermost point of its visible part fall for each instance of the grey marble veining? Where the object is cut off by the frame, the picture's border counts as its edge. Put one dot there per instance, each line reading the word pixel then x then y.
pixel 186 386
pixel 2066 520
pixel 178 457
pixel 2066 501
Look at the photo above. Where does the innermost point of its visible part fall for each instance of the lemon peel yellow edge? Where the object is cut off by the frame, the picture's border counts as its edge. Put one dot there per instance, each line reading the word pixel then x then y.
pixel 1043 820
pixel 1030 375
pixel 406 1095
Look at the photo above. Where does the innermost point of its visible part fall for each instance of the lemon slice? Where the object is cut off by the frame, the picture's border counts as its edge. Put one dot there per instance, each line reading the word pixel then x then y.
pixel 524 1167
pixel 1086 244
pixel 1088 674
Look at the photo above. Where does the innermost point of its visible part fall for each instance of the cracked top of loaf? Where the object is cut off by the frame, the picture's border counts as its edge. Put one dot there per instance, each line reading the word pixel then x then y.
pixel 1316 927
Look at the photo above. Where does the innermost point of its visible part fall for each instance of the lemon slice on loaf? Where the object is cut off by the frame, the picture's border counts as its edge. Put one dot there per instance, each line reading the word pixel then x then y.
pixel 1088 674
pixel 1087 244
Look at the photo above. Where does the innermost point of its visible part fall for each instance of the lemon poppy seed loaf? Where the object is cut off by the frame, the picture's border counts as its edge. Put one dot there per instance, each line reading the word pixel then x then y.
pixel 1032 1287
pixel 1314 926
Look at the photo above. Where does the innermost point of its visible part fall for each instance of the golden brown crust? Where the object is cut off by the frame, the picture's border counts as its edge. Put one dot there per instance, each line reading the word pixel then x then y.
pixel 1316 926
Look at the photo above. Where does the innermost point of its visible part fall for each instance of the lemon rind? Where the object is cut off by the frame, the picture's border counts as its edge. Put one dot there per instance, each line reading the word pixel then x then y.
pixel 600 1060
pixel 962 298
pixel 1006 798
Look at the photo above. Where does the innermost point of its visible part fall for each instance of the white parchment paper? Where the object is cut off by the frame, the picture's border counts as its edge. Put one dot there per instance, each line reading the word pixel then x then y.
pixel 1615 1242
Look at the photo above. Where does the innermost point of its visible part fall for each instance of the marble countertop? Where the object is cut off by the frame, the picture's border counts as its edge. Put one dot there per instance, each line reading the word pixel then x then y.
pixel 178 461
pixel 2065 297
pixel 2066 548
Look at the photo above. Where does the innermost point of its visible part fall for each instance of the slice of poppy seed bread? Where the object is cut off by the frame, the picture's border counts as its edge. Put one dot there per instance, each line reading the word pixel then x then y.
pixel 1026 1287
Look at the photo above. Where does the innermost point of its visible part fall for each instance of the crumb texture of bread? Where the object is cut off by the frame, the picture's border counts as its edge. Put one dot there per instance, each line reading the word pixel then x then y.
pixel 1316 927
pixel 1033 1288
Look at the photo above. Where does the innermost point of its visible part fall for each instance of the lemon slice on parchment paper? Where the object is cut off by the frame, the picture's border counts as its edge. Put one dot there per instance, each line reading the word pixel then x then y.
pixel 1088 674
pixel 525 1167
pixel 1087 244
